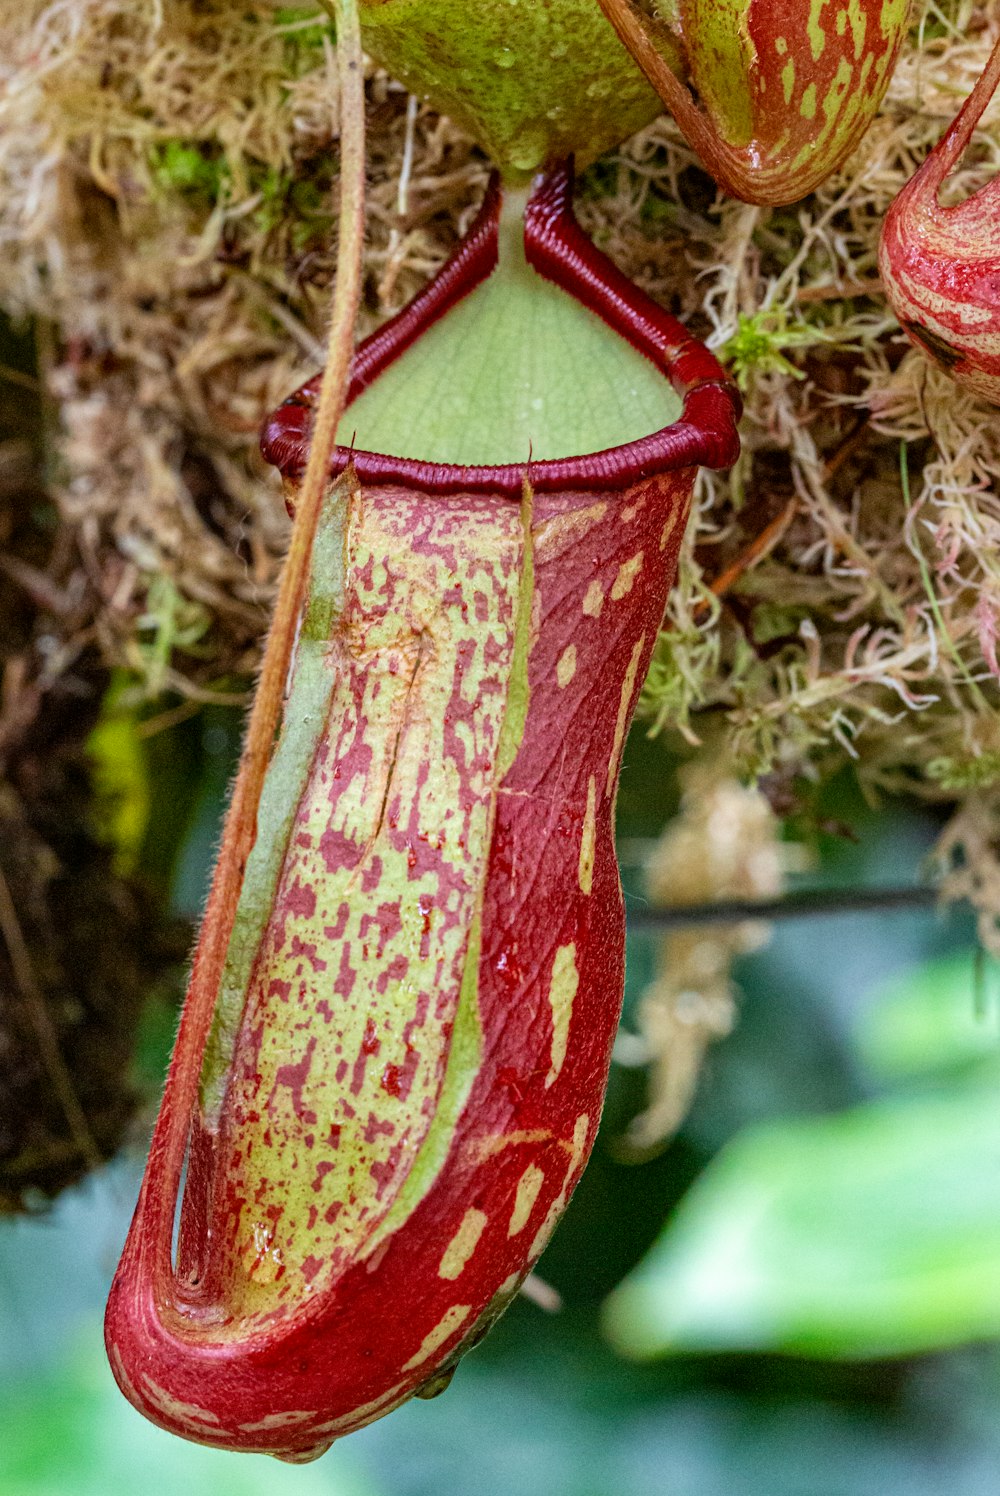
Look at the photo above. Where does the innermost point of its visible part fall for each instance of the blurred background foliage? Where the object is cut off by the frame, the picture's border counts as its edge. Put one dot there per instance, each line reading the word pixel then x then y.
pixel 797 1295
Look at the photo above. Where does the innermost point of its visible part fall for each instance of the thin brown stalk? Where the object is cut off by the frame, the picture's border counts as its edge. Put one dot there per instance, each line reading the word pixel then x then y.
pixel 45 1034
pixel 240 827
pixel 844 291
pixel 241 821
pixel 759 547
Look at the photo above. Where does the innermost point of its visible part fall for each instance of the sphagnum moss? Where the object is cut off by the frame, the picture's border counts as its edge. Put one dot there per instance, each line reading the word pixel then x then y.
pixel 164 177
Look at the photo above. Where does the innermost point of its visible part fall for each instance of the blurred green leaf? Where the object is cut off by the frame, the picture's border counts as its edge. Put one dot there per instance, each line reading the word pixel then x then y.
pixel 872 1233
pixel 76 1434
pixel 122 794
pixel 939 1016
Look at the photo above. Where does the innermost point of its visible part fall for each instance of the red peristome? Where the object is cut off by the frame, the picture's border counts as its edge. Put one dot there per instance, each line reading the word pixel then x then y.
pixel 941 265
pixel 473 259
pixel 270 1333
pixel 556 247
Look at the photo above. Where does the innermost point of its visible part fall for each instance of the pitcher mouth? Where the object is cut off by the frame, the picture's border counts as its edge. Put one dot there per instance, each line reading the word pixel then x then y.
pixel 555 247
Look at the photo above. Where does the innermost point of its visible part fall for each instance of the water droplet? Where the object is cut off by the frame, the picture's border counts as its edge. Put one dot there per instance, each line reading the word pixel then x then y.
pixel 504 57
pixel 598 90
pixel 558 49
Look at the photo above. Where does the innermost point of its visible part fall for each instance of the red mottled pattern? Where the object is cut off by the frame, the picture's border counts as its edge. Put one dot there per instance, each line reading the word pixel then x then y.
pixel 420 1064
pixel 786 88
pixel 331 1091
pixel 941 265
pixel 549 993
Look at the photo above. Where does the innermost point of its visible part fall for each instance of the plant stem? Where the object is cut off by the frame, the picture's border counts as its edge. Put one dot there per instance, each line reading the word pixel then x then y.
pixel 801 904
pixel 48 1041
pixel 240 828
pixel 241 821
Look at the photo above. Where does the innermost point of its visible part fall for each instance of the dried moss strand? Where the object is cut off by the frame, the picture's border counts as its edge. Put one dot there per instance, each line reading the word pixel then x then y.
pixel 48 1044
pixel 935 607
